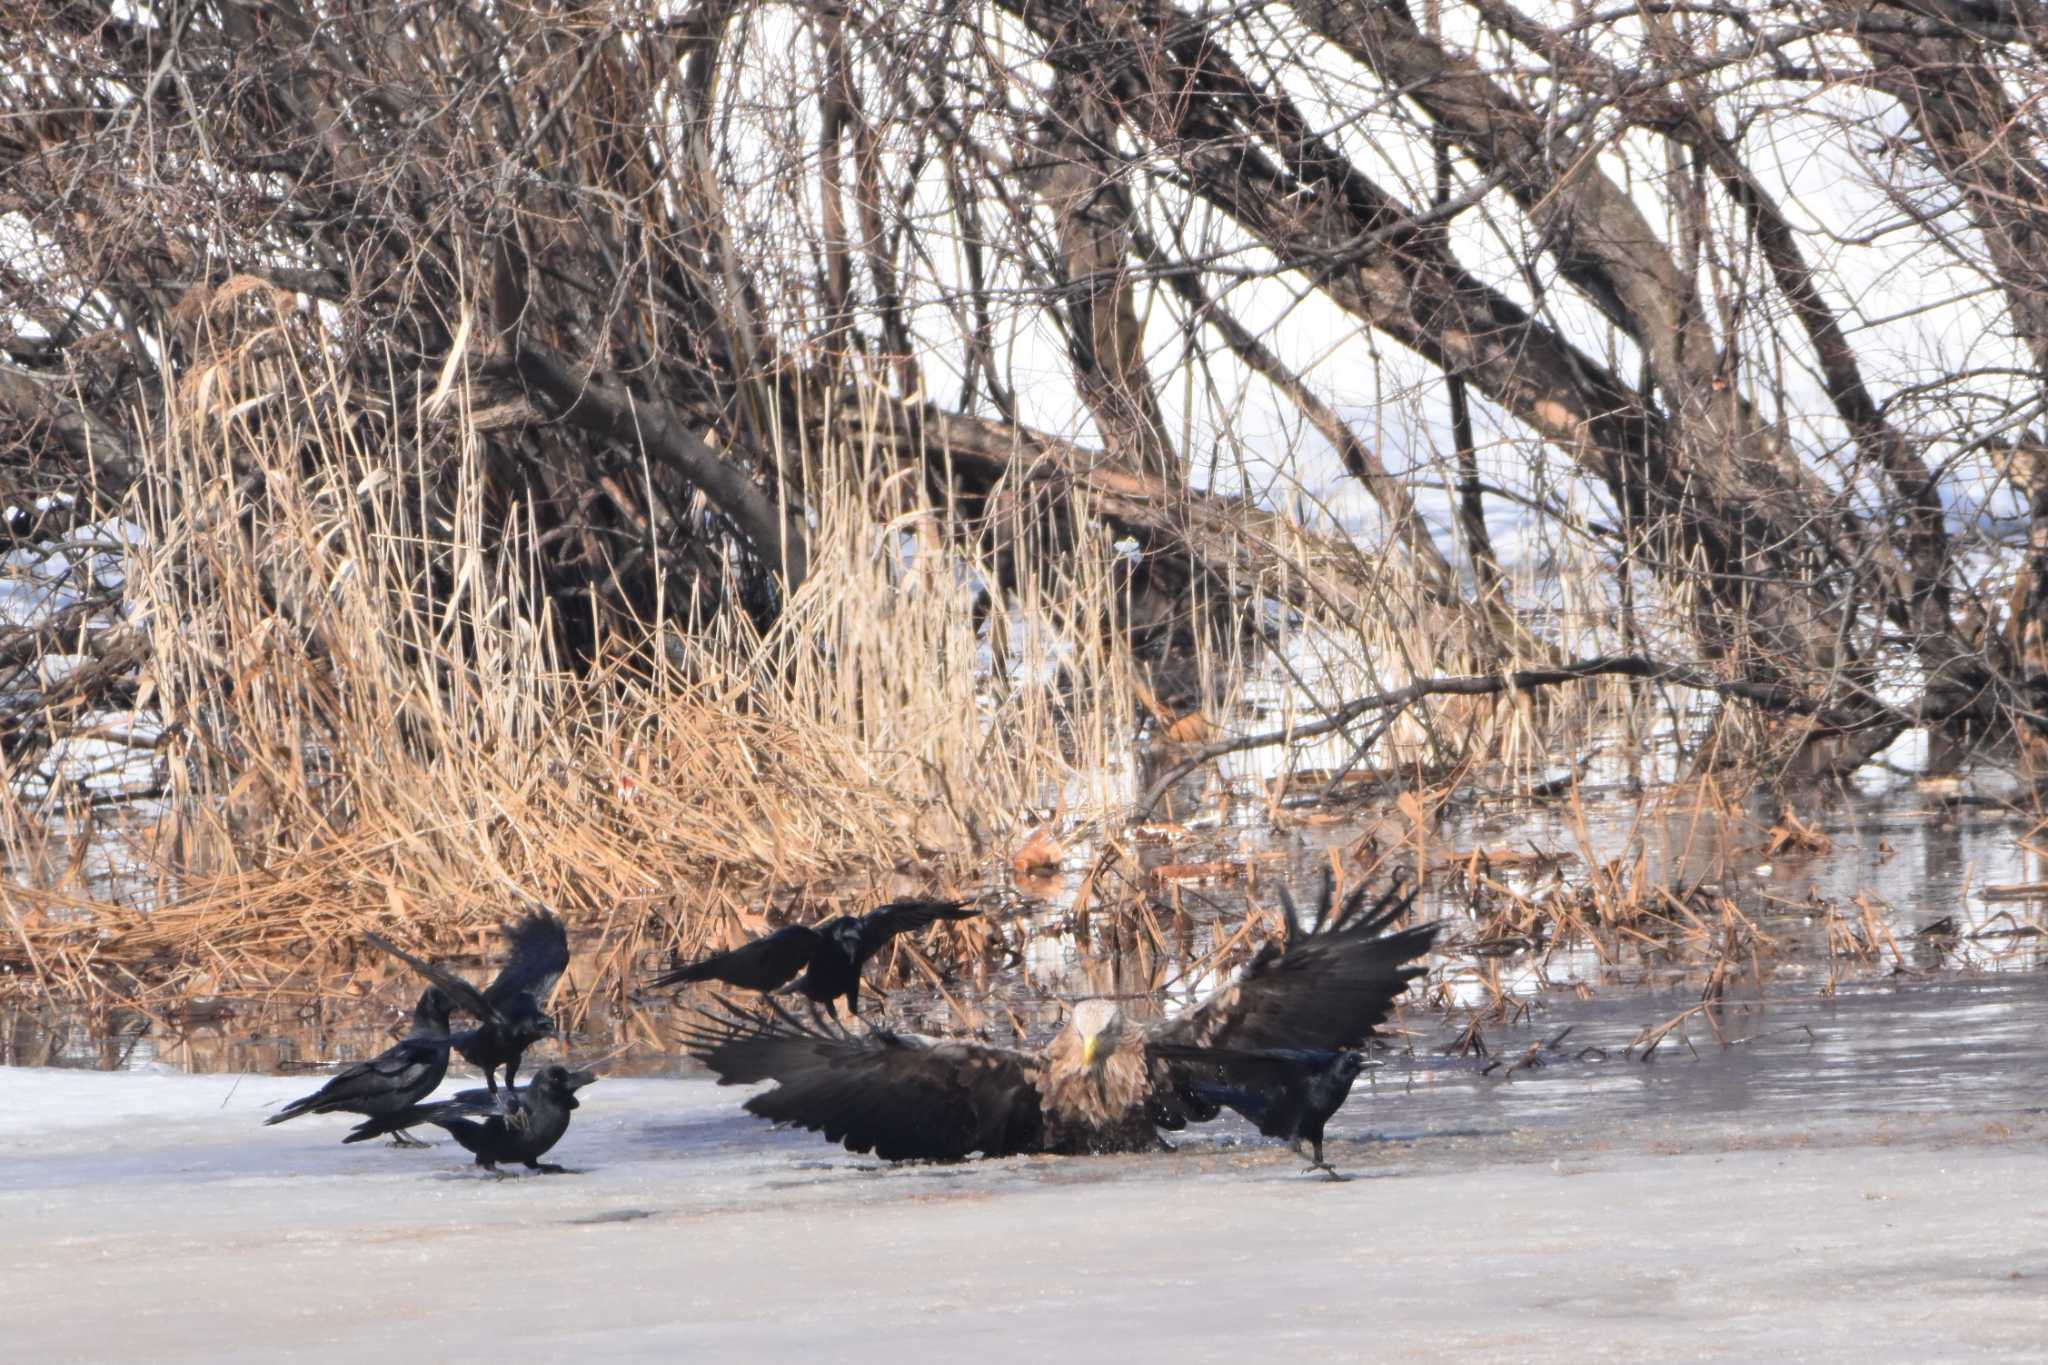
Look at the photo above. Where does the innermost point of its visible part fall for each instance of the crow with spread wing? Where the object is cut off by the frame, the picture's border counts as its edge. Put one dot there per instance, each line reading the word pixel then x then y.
pixel 498 1125
pixel 1103 1085
pixel 393 1080
pixel 510 1012
pixel 830 955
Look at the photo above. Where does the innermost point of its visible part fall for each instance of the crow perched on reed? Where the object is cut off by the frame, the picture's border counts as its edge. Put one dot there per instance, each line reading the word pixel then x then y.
pixel 393 1080
pixel 499 1125
pixel 830 955
pixel 509 1012
pixel 1103 1085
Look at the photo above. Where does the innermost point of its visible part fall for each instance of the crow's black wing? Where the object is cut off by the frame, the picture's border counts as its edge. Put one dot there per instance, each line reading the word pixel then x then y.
pixel 415 1115
pixel 539 956
pixel 507 1102
pixel 465 996
pixel 878 926
pixel 897 1096
pixel 405 1063
pixel 1266 1065
pixel 1191 1082
pixel 482 1097
pixel 762 965
pixel 1272 1087
pixel 393 1071
pixel 1329 989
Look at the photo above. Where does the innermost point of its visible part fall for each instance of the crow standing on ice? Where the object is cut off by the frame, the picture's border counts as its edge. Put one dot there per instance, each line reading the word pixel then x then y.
pixel 1104 1085
pixel 830 956
pixel 393 1080
pixel 1290 1093
pixel 508 1012
pixel 516 1125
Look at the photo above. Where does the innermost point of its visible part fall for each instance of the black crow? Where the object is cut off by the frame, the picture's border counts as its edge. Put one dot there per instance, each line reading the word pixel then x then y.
pixel 1104 1085
pixel 509 1014
pixel 830 955
pixel 1290 1093
pixel 499 1125
pixel 394 1079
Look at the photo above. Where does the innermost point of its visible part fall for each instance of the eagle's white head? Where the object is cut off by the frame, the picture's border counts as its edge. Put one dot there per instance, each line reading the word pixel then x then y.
pixel 1100 1026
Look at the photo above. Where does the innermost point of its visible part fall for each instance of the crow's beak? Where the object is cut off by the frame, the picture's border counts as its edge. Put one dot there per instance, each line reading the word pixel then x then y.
pixel 579 1079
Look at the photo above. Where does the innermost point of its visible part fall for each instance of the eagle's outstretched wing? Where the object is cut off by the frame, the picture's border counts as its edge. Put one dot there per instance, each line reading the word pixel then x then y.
pixel 899 1096
pixel 1328 988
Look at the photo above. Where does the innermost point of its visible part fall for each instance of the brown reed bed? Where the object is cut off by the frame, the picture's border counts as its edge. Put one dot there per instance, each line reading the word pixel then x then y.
pixel 662 852
pixel 341 622
pixel 368 725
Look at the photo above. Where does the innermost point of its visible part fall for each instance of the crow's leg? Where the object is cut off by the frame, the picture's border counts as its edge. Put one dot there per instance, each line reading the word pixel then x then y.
pixel 402 1138
pixel 513 1110
pixel 1321 1165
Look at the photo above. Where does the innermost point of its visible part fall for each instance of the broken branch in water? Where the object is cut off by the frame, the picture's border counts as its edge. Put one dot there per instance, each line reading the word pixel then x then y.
pixel 1771 696
pixel 1652 1037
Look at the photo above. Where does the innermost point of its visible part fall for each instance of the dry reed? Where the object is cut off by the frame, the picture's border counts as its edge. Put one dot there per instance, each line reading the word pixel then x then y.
pixel 342 624
pixel 370 726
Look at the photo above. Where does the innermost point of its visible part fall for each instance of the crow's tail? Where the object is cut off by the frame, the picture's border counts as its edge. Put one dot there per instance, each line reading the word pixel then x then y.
pixel 308 1105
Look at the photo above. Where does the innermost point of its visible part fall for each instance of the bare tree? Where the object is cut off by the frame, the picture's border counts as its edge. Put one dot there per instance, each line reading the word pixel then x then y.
pixel 1141 265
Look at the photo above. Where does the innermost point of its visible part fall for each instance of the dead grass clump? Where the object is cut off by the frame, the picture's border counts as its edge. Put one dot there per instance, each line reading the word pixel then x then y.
pixel 1862 939
pixel 350 642
pixel 658 846
pixel 1790 834
pixel 1618 909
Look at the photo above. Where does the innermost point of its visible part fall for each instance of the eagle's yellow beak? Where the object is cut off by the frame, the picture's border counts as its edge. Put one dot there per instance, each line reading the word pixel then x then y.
pixel 1088 1051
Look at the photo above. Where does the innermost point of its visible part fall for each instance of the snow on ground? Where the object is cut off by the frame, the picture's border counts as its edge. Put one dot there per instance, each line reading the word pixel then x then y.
pixel 152 1217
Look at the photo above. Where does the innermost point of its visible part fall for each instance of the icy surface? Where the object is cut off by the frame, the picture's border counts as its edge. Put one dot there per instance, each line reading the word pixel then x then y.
pixel 1714 1207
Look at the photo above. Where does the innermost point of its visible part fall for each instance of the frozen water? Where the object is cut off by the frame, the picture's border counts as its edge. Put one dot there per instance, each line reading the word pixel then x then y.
pixel 1776 1199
